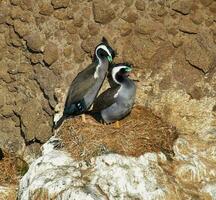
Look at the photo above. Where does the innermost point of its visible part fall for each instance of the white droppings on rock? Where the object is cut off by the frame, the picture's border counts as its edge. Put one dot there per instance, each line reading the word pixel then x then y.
pixel 210 189
pixel 126 177
pixel 113 176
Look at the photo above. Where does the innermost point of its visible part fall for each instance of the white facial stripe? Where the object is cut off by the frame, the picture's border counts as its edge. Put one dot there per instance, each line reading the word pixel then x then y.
pixel 102 46
pixel 115 70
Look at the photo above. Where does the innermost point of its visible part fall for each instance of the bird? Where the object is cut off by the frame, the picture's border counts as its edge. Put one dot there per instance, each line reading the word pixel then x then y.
pixel 86 85
pixel 117 101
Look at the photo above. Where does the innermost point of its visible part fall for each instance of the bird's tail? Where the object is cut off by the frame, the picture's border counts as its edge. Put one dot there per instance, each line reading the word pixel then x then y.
pixel 59 122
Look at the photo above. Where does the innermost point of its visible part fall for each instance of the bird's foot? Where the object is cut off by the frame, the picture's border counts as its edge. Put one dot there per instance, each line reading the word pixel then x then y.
pixel 117 124
pixel 83 118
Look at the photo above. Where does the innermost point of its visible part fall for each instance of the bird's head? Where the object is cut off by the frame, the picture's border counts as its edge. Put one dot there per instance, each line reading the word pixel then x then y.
pixel 120 71
pixel 104 51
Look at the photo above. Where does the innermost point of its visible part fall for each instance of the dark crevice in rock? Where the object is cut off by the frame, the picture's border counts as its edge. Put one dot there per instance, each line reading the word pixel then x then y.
pixel 180 12
pixel 187 32
pixel 194 66
pixel 35 140
pixel 1 154
pixel 20 126
pixel 46 96
pixel 30 50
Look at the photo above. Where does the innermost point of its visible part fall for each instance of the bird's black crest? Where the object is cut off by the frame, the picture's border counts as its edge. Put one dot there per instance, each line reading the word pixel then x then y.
pixel 104 40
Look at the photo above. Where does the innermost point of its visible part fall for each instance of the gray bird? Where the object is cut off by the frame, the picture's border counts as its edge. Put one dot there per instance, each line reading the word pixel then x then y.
pixel 85 87
pixel 117 101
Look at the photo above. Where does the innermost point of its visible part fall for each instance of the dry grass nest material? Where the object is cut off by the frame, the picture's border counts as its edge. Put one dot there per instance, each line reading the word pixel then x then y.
pixel 139 132
pixel 12 168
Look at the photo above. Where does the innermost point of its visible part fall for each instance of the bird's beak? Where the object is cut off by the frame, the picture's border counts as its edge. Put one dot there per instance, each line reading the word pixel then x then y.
pixel 128 69
pixel 109 58
pixel 134 77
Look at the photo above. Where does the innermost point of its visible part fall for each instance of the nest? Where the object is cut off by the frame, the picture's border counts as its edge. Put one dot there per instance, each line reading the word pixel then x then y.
pixel 12 168
pixel 139 132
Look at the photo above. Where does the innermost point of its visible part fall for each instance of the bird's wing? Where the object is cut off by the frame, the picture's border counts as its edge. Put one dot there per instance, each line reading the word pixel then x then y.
pixel 80 85
pixel 105 99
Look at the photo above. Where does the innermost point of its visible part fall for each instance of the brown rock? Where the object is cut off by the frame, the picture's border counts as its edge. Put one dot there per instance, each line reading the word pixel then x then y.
pixel 3 97
pixel 3 15
pixel 4 74
pixel 140 5
pixel 146 27
pixel 177 41
pixel 184 73
pixel 196 92
pixel 24 16
pixel 70 13
pixel 209 21
pixel 214 38
pixel 128 3
pixel 7 111
pixel 21 28
pixel 172 30
pixel 93 29
pixel 206 2
pixel 71 28
pixel 11 139
pixel 198 54
pixel 186 26
pixel 15 2
pixel 60 14
pixel 102 12
pixel 212 7
pixel 32 150
pixel 40 20
pixel 197 17
pixel 34 124
pixel 165 83
pixel 16 12
pixel 34 42
pixel 36 58
pixel 83 33
pixel 125 30
pixel 67 52
pixel 27 4
pixel 129 16
pixel 62 26
pixel 78 21
pixel 72 39
pixel 60 3
pixel 136 43
pixel 78 54
pixel 89 44
pixel 87 12
pixel 214 108
pixel 50 53
pixel 46 9
pixel 47 85
pixel 183 6
pixel 160 56
pixel 14 39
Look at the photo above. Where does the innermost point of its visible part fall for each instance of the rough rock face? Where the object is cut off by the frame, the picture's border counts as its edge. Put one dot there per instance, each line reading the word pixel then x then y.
pixel 102 12
pixel 110 176
pixel 172 46
pixel 50 53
